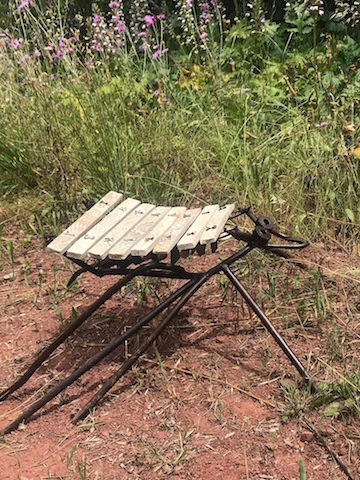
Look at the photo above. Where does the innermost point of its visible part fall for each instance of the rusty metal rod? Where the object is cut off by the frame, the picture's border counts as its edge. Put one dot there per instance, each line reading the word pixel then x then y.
pixel 269 326
pixel 95 359
pixel 75 324
pixel 203 278
pixel 142 349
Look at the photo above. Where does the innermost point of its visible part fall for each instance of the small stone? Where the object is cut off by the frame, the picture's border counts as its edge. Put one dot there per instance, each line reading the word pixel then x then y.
pixel 9 276
pixel 342 451
pixel 306 437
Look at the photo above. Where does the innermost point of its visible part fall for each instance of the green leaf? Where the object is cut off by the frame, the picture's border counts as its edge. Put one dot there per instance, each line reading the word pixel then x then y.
pixel 302 471
pixel 350 214
pixel 332 410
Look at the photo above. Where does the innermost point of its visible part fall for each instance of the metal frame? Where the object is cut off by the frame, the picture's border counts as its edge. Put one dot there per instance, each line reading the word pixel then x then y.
pixel 154 267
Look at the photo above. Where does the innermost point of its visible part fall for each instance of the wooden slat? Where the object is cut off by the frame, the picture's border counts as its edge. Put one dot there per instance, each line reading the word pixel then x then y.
pixel 216 224
pixel 194 232
pixel 116 234
pixel 169 240
pixel 123 248
pixel 98 231
pixel 85 222
pixel 145 245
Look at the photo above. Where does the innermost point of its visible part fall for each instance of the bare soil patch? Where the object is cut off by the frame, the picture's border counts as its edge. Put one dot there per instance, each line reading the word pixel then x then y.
pixel 187 421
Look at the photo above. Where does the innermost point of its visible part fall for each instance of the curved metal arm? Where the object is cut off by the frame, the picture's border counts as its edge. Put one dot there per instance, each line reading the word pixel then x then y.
pixel 266 226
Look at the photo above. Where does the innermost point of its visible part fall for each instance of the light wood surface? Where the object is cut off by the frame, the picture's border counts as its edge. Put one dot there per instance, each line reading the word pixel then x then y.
pixel 192 236
pixel 170 238
pixel 98 231
pixel 216 224
pixel 123 248
pixel 85 222
pixel 102 248
pixel 146 245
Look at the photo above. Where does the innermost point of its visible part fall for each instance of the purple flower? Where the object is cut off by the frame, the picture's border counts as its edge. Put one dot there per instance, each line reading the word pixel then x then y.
pixel 96 19
pixel 13 43
pixel 321 125
pixel 97 47
pixel 143 46
pixel 49 48
pixel 36 54
pixel 23 5
pixel 114 4
pixel 161 16
pixel 53 77
pixel 203 36
pixel 72 39
pixel 165 101
pixel 142 34
pixel 149 20
pixel 62 43
pixel 120 27
pixel 157 92
pixel 58 55
pixel 159 52
pixel 205 6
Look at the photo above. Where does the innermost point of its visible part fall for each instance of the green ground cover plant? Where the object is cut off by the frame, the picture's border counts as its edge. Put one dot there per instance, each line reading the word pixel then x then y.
pixel 182 106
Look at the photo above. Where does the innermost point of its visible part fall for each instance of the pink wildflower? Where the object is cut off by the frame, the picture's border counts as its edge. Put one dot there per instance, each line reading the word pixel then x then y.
pixel 203 36
pixel 96 19
pixel 97 47
pixel 114 4
pixel 157 92
pixel 142 34
pixel 53 77
pixel 161 16
pixel 120 27
pixel 321 125
pixel 159 52
pixel 23 5
pixel 149 20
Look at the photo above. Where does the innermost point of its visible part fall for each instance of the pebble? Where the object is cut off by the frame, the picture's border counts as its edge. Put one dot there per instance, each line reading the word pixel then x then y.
pixel 9 276
pixel 306 437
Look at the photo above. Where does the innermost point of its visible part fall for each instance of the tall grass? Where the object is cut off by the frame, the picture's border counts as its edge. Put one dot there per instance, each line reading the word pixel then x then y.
pixel 219 130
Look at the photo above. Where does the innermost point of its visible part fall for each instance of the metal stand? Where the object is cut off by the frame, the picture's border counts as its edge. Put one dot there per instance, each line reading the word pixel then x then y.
pixel 152 267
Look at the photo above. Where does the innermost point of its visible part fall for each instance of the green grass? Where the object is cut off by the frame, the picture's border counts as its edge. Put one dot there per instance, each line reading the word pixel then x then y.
pixel 234 129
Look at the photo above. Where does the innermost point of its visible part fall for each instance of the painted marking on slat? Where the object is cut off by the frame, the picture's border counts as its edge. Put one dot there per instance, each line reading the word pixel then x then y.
pixel 146 244
pixel 169 240
pixel 123 248
pixel 102 248
pixel 98 231
pixel 216 224
pixel 85 222
pixel 192 236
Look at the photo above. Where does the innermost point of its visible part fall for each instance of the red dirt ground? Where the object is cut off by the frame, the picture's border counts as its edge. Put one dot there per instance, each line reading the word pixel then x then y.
pixel 170 425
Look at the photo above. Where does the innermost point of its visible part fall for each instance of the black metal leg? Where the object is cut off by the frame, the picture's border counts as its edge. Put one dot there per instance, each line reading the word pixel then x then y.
pixel 44 355
pixel 268 325
pixel 95 359
pixel 74 276
pixel 142 349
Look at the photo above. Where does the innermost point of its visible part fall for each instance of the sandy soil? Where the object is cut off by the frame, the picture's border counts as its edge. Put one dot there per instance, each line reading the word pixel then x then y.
pixel 189 420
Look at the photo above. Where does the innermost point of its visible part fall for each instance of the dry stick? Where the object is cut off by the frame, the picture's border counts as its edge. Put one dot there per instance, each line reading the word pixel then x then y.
pixel 44 355
pixel 215 380
pixel 95 359
pixel 322 442
pixel 128 363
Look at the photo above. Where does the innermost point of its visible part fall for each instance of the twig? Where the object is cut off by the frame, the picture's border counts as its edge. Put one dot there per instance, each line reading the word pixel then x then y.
pixel 215 380
pixel 321 441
